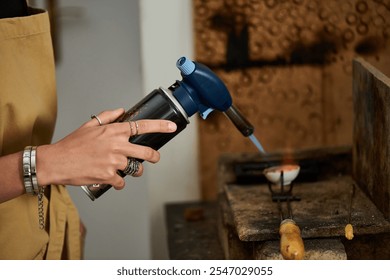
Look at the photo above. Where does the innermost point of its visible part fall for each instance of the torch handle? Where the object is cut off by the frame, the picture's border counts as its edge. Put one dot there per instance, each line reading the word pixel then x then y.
pixel 291 243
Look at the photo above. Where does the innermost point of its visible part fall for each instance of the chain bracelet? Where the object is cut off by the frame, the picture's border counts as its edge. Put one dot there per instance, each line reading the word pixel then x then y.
pixel 41 214
pixel 30 180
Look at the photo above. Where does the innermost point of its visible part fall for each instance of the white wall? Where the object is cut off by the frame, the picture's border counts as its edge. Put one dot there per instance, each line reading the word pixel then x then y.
pixel 103 67
pixel 166 35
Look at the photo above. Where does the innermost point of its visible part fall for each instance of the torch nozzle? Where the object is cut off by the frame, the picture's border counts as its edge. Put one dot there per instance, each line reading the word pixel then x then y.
pixel 240 122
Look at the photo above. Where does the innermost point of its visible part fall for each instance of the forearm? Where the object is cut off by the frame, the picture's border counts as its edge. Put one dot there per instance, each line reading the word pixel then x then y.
pixel 11 179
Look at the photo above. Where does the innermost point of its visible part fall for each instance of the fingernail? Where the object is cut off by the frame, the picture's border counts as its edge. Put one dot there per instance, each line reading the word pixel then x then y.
pixel 172 126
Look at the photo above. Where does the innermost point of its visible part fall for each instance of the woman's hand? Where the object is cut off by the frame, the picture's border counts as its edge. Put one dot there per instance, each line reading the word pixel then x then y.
pixel 94 153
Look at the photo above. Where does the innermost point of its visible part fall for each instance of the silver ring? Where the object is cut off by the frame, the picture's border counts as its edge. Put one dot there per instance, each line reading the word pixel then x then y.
pixel 132 167
pixel 97 118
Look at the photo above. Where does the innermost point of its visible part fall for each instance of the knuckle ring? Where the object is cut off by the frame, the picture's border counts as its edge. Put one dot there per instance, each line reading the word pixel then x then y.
pixel 97 118
pixel 132 167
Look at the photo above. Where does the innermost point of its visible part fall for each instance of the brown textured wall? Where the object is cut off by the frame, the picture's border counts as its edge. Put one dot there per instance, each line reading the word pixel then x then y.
pixel 288 66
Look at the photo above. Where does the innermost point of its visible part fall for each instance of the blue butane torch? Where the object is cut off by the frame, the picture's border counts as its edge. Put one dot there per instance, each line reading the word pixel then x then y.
pixel 200 90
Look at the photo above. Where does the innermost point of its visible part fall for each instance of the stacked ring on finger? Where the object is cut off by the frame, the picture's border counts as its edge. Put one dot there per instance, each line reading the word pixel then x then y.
pixel 135 126
pixel 132 167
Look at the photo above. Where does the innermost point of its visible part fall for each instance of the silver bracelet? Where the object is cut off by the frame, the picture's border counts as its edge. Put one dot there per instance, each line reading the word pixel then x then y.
pixel 30 170
pixel 33 161
pixel 27 177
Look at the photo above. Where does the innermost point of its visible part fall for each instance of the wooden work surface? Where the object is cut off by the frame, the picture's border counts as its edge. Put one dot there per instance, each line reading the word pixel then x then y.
pixel 322 212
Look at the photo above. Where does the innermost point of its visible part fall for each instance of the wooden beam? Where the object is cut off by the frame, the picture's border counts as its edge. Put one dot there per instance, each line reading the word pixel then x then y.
pixel 371 134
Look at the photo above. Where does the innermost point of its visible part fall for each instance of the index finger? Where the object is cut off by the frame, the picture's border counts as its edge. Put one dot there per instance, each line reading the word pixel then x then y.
pixel 151 126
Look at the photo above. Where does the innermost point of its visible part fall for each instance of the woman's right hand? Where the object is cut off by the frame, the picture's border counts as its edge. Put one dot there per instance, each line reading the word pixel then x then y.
pixel 94 153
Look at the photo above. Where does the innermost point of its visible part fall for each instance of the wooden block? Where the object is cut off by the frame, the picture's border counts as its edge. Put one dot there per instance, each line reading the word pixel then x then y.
pixel 368 247
pixel 371 137
pixel 232 246
pixel 315 249
pixel 323 211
